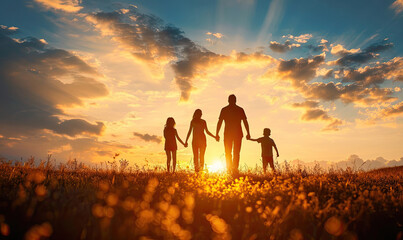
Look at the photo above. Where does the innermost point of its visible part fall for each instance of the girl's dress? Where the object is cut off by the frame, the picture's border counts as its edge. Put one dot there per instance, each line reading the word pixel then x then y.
pixel 170 139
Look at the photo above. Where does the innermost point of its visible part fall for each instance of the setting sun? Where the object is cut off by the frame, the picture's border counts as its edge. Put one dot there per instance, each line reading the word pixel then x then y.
pixel 217 166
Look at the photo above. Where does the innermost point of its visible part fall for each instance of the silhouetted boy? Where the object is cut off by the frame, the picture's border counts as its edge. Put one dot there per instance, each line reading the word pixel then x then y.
pixel 267 149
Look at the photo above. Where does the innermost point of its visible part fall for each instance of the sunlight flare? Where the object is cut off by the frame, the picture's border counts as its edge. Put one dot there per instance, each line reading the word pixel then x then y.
pixel 217 166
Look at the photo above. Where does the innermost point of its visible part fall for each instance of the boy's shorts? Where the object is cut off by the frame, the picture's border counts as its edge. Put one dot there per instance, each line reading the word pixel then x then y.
pixel 267 160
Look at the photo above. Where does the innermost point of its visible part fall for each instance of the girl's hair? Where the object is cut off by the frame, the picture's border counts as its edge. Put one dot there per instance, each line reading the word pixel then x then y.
pixel 170 122
pixel 197 114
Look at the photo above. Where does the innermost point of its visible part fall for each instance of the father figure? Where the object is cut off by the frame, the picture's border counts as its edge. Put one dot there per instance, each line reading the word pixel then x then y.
pixel 232 116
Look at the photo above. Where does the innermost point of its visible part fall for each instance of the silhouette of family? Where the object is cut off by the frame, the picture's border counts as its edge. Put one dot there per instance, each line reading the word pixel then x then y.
pixel 232 115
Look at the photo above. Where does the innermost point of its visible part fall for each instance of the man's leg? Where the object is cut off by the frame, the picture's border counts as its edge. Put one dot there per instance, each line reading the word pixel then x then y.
pixel 228 152
pixel 237 150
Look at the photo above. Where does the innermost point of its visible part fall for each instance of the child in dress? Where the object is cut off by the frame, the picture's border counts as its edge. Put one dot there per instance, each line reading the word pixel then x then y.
pixel 170 135
pixel 267 149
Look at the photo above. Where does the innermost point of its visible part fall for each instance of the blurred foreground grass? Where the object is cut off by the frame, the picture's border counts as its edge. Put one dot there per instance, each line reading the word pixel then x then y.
pixel 43 203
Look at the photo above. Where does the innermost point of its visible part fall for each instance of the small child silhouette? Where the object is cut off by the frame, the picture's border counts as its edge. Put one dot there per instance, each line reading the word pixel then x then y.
pixel 267 149
pixel 170 135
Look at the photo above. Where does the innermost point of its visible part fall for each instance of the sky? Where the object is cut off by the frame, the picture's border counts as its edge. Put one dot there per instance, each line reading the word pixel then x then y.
pixel 93 79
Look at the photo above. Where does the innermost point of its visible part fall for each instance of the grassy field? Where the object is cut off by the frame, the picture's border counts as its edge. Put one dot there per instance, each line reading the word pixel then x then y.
pixel 44 203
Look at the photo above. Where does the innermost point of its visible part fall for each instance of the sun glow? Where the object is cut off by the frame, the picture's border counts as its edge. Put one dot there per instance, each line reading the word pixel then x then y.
pixel 217 166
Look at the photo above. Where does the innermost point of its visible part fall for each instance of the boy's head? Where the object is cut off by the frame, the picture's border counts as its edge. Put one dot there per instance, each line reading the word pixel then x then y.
pixel 266 132
pixel 232 99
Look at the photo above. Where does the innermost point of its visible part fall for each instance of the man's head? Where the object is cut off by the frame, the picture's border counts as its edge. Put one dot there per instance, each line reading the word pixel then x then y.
pixel 232 99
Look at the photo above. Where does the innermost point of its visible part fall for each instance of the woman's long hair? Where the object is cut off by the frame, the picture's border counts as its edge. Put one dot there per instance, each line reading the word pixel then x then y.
pixel 170 123
pixel 197 114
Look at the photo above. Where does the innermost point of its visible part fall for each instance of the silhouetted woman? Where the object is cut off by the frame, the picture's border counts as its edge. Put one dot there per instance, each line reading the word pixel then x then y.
pixel 170 135
pixel 198 126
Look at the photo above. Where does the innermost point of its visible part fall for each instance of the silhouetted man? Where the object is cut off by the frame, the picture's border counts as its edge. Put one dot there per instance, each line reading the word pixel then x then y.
pixel 232 116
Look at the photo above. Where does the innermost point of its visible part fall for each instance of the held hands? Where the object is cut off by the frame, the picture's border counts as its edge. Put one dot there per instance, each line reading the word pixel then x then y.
pixel 248 137
pixel 217 138
pixel 278 155
pixel 185 145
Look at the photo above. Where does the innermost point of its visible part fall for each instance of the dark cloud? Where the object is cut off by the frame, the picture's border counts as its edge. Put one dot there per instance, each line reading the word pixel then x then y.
pixel 377 74
pixel 392 111
pixel 60 146
pixel 75 127
pixel 379 47
pixel 301 70
pixel 363 84
pixel 281 48
pixel 314 113
pixel 32 94
pixel 152 41
pixel 319 48
pixel 364 56
pixel 306 104
pixel 148 138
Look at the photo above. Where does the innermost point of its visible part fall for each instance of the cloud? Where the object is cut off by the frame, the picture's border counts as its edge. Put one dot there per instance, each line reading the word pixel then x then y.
pixel 151 41
pixel 217 35
pixel 156 44
pixel 214 38
pixel 314 113
pixel 148 138
pixel 300 70
pixel 363 86
pixel 306 104
pixel 353 56
pixel 377 74
pixel 37 81
pixel 281 48
pixel 392 111
pixel 62 147
pixel 63 5
pixel 7 30
pixel 339 50
pixel 303 38
pixel 398 6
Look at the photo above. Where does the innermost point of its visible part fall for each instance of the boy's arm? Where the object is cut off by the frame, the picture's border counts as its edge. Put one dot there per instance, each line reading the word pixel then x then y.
pixel 253 139
pixel 275 147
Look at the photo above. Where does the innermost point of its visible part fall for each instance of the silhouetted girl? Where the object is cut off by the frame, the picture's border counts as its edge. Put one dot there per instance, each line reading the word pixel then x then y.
pixel 170 135
pixel 199 139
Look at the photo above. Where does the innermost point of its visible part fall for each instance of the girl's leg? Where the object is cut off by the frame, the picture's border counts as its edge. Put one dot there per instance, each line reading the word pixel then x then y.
pixel 174 160
pixel 202 152
pixel 195 149
pixel 168 159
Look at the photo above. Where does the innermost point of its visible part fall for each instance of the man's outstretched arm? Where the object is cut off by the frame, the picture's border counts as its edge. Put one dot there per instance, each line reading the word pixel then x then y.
pixel 218 129
pixel 245 122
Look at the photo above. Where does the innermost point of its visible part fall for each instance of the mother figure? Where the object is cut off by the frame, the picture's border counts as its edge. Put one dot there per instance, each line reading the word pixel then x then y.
pixel 198 125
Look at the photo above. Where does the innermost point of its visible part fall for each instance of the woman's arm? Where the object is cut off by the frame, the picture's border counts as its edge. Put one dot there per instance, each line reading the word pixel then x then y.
pixel 207 131
pixel 189 132
pixel 179 139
